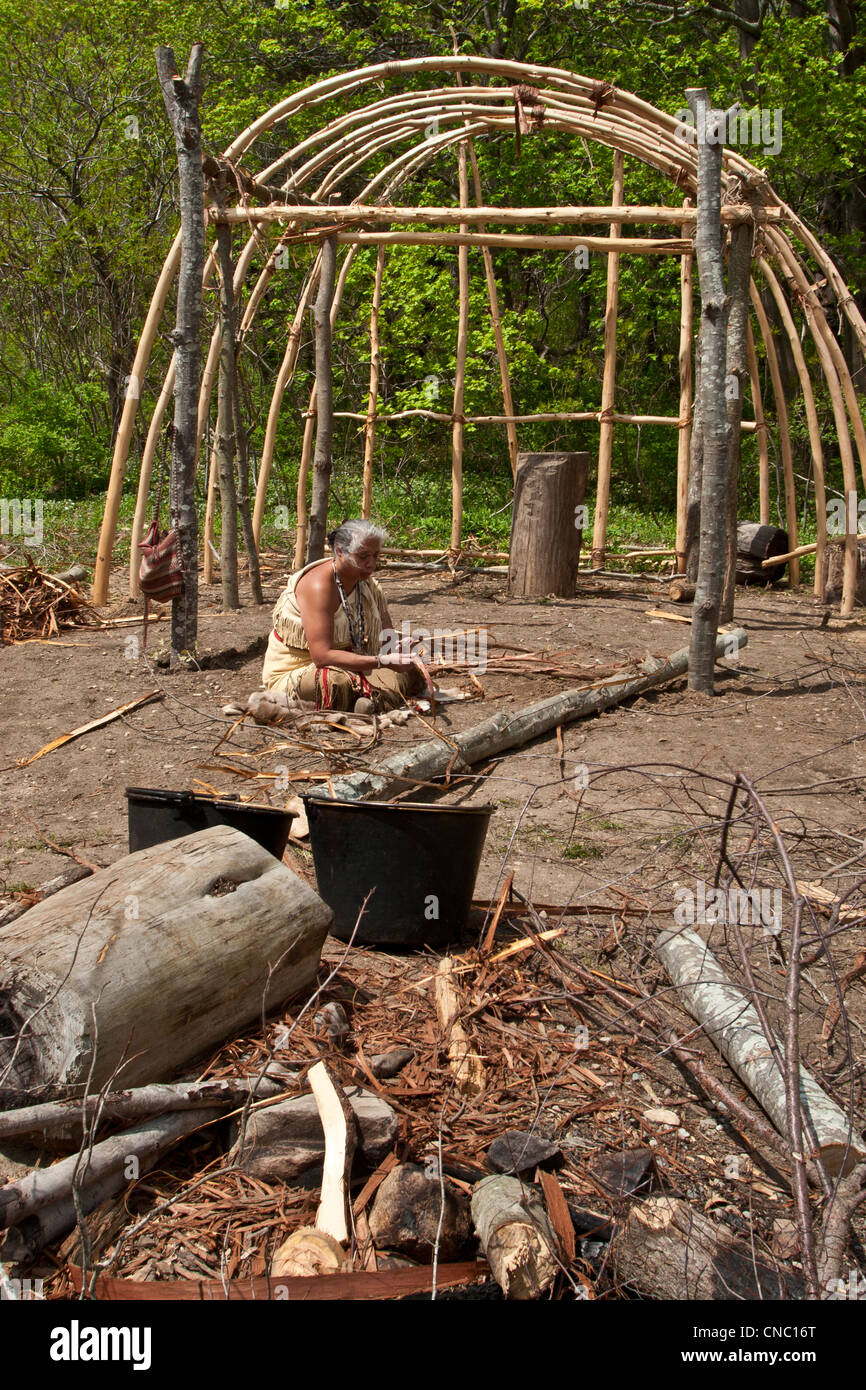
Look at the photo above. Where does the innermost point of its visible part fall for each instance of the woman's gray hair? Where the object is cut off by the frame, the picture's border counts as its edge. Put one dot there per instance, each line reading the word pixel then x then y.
pixel 351 535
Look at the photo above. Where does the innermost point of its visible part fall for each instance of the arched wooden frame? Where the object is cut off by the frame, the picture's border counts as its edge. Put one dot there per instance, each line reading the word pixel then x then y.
pixel 449 116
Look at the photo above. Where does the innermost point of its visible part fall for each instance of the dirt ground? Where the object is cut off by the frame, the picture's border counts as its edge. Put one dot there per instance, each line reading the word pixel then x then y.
pixel 789 715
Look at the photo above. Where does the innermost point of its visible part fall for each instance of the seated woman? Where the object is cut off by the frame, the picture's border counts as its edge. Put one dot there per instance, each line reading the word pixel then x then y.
pixel 328 622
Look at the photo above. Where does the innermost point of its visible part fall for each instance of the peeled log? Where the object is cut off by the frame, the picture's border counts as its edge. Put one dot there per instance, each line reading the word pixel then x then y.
pixel 144 965
pixel 512 728
pixel 666 1250
pixel 515 1235
pixel 733 1025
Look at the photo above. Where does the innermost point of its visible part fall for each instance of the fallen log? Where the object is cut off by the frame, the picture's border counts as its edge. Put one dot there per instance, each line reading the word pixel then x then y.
pixel 73 874
pixel 109 1166
pixel 463 1060
pixel 138 1104
pixel 511 729
pixel 143 966
pixel 667 1250
pixel 733 1025
pixel 515 1235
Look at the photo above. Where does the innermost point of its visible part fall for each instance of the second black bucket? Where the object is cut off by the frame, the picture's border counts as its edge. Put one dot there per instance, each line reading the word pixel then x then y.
pixel 421 860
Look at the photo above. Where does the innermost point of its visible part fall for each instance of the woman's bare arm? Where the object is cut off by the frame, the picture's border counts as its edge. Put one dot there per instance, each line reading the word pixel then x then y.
pixel 318 600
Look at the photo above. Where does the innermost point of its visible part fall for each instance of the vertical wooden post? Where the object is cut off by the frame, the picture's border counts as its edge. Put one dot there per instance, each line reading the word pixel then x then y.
pixel 608 386
pixel 181 103
pixel 815 445
pixel 322 459
pixel 736 372
pixel 784 432
pixel 373 394
pixel 685 431
pixel 460 364
pixel 211 368
pixel 303 474
pixel 284 376
pixel 714 420
pixel 242 440
pixel 302 532
pixel 108 531
pixel 144 478
pixel 225 428
pixel 761 431
pixel 496 321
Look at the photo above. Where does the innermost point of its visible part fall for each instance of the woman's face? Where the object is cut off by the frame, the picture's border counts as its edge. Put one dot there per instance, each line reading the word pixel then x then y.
pixel 362 561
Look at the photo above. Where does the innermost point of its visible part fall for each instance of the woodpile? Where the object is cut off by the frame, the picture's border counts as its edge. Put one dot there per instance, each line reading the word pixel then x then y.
pixel 36 606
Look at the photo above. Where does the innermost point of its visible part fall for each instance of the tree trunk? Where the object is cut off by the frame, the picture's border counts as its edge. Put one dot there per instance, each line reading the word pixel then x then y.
pixel 714 423
pixel 696 477
pixel 545 526
pixel 736 376
pixel 181 102
pixel 145 965
pixel 324 403
pixel 667 1250
pixel 225 431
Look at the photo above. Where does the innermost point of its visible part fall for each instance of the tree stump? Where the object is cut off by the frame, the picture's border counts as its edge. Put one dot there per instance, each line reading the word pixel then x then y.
pixel 834 564
pixel 547 525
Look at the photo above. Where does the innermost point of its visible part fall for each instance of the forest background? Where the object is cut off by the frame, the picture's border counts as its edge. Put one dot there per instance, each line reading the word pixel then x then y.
pixel 89 207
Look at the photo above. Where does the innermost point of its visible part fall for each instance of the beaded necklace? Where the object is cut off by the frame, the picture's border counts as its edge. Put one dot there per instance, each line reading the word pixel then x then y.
pixel 357 626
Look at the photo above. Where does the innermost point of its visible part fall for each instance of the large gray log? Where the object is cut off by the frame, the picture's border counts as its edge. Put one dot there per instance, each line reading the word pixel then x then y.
pixel 144 965
pixel 733 1025
pixel 667 1250
pixel 510 729
pixel 515 1235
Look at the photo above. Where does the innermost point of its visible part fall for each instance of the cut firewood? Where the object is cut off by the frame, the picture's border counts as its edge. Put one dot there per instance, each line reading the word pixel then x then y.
pixel 558 1213
pixel 667 1250
pixel 338 1122
pixel 681 591
pixel 468 1069
pixel 145 960
pixel 515 1235
pixel 733 1025
pixel 309 1251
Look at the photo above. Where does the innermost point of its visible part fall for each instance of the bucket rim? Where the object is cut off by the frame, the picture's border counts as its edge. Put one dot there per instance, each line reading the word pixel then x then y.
pixel 487 809
pixel 169 796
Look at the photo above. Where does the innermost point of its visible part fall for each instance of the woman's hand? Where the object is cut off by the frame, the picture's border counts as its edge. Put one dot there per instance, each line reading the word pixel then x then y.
pixel 396 661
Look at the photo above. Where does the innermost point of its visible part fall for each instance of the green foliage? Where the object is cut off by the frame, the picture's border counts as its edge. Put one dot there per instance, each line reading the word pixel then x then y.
pixel 47 448
pixel 88 211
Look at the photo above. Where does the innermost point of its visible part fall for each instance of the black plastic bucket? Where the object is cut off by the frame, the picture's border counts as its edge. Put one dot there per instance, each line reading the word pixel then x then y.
pixel 155 816
pixel 422 861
